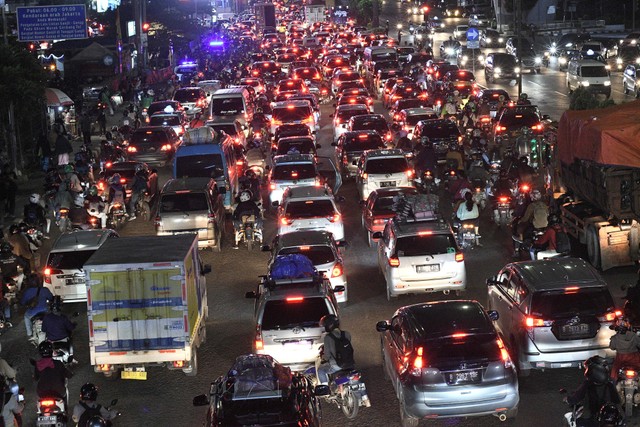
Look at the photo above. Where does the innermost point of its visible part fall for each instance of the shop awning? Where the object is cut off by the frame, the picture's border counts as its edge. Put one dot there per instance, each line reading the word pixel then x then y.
pixel 57 98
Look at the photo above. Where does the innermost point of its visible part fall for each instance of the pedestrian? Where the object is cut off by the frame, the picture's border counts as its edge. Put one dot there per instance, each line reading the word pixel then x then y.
pixel 102 121
pixel 43 149
pixel 85 128
pixel 399 36
pixel 62 149
pixel 386 27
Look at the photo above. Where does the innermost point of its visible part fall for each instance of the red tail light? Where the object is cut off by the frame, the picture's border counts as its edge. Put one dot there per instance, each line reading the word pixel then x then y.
pixel 294 299
pixel 272 186
pixel 123 180
pixel 337 270
pixel 503 199
pixel 418 362
pixel 409 173
pixel 259 344
pixel 630 373
pixel 47 402
pixel 132 149
pixel 394 261
pixel 48 272
pixel 166 147
pixel 537 127
pixel 500 129
pixel 525 188
pixel 459 257
pixel 334 218
pixel 533 322
pixel 504 354
pixel 286 221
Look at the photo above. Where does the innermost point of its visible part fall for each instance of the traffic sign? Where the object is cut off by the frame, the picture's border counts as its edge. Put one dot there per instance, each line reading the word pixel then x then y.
pixel 473 38
pixel 52 22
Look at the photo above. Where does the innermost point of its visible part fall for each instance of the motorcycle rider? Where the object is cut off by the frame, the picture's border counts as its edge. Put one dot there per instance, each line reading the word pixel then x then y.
pixel 35 214
pixel 50 374
pixel 246 207
pixel 251 182
pixel 138 189
pixel 535 217
pixel 72 179
pixel 10 264
pixel 467 211
pixel 547 241
pixel 427 159
pixel 94 203
pixel 12 404
pixel 596 387
pixel 88 397
pixel 331 325
pixel 35 298
pixel 56 324
pixel 523 99
pixel 117 194
pixel 20 244
pixel 627 346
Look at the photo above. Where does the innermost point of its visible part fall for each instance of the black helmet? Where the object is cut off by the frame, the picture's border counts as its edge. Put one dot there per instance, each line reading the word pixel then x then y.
pixel 426 142
pixel 6 248
pixel 523 96
pixel 553 219
pixel 329 322
pixel 55 304
pixel 89 392
pixel 609 415
pixel 96 421
pixel 23 227
pixel 251 174
pixel 596 370
pixel 13 229
pixel 45 349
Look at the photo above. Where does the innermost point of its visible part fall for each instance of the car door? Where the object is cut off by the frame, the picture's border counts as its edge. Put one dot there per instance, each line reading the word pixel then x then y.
pixel 331 174
pixel 499 301
pixel 395 349
pixel 385 250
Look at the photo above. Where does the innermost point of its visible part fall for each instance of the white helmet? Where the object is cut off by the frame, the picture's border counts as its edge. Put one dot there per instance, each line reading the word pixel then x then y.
pixel 536 195
pixel 456 93
pixel 34 198
pixel 245 196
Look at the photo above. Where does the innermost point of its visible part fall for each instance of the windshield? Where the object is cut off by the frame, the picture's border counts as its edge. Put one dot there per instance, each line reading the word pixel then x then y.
pixel 227 106
pixel 72 260
pixel 317 254
pixel 440 320
pixel 593 71
pixel 384 56
pixel 164 121
pixel 283 314
pixel 430 244
pixel 369 142
pixel 200 165
pixel 229 129
pixel 285 114
pixel 515 120
pixel 346 114
pixel 415 118
pixel 384 205
pixel 310 209
pixel 183 96
pixel 386 165
pixel 345 77
pixel 184 202
pixel 549 305
pixel 294 172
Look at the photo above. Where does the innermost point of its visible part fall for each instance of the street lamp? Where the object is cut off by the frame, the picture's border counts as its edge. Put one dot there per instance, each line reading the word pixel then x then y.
pixel 399 26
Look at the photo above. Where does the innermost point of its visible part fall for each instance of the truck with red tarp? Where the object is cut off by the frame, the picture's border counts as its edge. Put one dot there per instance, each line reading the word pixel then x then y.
pixel 597 156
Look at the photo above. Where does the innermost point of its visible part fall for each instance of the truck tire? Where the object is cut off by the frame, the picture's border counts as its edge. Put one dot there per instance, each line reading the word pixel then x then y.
pixel 193 370
pixel 593 246
pixel 217 246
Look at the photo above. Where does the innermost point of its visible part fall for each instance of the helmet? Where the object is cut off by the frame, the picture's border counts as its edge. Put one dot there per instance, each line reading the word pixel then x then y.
pixel 536 195
pixel 68 168
pixel 96 421
pixel 609 415
pixel 93 190
pixel 150 92
pixel 425 141
pixel 125 123
pixel 6 248
pixel 553 219
pixel 34 198
pixel 251 174
pixel 55 304
pixel 139 167
pixel 622 325
pixel 523 96
pixel 456 93
pixel 245 196
pixel 23 227
pixel 329 322
pixel 501 98
pixel 89 392
pixel 45 349
pixel 596 370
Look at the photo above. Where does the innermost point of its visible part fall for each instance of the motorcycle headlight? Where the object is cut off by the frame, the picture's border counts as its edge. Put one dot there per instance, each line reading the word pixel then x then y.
pixel 619 61
pixel 480 58
pixel 497 70
pixel 419 36
pixel 553 50
pixel 516 70
pixel 465 58
pixel 562 61
pixel 488 39
pixel 500 40
pixel 449 51
pixel 607 83
pixel 537 60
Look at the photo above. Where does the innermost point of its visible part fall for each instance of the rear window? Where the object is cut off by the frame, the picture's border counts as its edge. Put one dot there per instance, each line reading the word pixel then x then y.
pixel 593 71
pixel 519 119
pixel 183 202
pixel 310 209
pixel 149 137
pixel 282 314
pixel 446 130
pixel 227 106
pixel 73 260
pixel 549 305
pixel 386 165
pixel 201 165
pixel 183 96
pixel 229 129
pixel 425 245
pixel 317 254
pixel 164 121
pixel 285 114
pixel 415 118
pixel 345 115
pixel 346 77
pixel 294 172
pixel 504 60
pixel 301 146
pixel 447 319
pixel 367 142
pixel 379 125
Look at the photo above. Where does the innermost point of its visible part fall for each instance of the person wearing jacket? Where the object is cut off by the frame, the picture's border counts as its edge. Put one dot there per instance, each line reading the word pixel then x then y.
pixel 50 374
pixel 596 387
pixel 35 298
pixel 627 347
pixel 331 325
pixel 88 399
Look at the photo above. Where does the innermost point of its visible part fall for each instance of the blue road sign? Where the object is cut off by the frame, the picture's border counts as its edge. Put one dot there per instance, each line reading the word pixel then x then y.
pixel 39 23
pixel 473 34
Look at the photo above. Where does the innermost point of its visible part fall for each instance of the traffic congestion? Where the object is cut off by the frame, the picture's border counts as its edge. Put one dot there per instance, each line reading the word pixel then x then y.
pixel 317 223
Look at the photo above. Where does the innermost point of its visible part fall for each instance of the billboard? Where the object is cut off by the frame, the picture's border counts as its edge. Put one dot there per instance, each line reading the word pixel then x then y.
pixel 52 22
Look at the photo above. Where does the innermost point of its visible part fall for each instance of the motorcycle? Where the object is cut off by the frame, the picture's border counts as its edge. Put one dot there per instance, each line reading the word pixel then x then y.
pixel 52 412
pixel 485 124
pixel 35 238
pixel 479 195
pixel 629 388
pixel 38 335
pixel 94 220
pixel 466 234
pixel 345 390
pixel 63 220
pixel 115 217
pixel 503 213
pixel 249 232
pixel 142 207
pixel 427 183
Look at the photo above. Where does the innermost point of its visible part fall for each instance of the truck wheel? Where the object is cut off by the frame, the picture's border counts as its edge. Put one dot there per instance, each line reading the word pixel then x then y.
pixel 625 90
pixel 593 246
pixel 193 370
pixel 217 246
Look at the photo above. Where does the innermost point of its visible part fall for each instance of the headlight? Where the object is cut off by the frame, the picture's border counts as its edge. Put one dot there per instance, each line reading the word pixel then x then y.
pixel 585 83
pixel 553 50
pixel 607 67
pixel 618 60
pixel 480 58
pixel 607 83
pixel 497 71
pixel 442 25
pixel 419 36
pixel 500 40
pixel 562 61
pixel 516 70
pixel 488 39
pixel 449 51
pixel 465 58
pixel 537 60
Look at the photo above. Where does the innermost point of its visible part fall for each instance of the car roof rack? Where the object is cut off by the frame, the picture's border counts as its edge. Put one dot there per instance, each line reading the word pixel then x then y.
pixel 316 281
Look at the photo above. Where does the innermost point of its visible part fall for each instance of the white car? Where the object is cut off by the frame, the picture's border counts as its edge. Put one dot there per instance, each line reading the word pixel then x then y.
pixel 291 170
pixel 343 114
pixel 310 208
pixel 382 169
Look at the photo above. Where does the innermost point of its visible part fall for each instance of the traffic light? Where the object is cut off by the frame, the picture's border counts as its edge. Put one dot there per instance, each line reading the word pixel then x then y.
pixel 145 27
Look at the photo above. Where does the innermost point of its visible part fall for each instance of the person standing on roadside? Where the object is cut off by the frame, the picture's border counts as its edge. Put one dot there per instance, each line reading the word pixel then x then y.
pixel 62 149
pixel 85 128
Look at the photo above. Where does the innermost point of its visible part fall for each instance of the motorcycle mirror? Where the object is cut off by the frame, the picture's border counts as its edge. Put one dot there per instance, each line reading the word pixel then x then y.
pixel 382 326
pixel 114 402
pixel 493 315
pixel 201 400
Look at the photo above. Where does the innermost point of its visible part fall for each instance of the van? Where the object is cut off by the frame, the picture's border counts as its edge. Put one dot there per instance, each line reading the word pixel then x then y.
pixel 378 54
pixel 207 154
pixel 590 74
pixel 192 205
pixel 232 103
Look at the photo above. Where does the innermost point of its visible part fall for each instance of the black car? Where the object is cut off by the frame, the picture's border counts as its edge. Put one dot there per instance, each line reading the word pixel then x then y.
pixel 442 133
pixel 500 66
pixel 257 390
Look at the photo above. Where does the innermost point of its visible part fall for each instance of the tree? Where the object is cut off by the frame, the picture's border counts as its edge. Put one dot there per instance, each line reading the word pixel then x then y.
pixel 584 99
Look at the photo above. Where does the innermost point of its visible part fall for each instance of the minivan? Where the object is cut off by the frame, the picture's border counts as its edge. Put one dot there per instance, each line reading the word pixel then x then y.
pixel 233 103
pixel 500 66
pixel 192 205
pixel 589 74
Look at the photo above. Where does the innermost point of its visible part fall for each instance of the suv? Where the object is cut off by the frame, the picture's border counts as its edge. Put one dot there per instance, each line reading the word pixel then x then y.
pixel 192 99
pixel 287 314
pixel 375 122
pixel 380 169
pixel 192 205
pixel 408 119
pixel 378 209
pixel 442 133
pixel 515 117
pixel 154 145
pixel 589 74
pixel 630 80
pixel 527 55
pixel 557 312
pixel 500 66
pixel 321 248
pixel 293 112
pixel 256 382
pixel 291 170
pixel 343 114
pixel 350 147
pixel 446 359
pixel 63 274
pixel 420 256
pixel 310 208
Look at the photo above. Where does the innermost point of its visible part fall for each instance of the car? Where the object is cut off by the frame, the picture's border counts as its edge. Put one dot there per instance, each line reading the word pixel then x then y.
pixel 460 32
pixel 167 106
pixel 287 317
pixel 630 80
pixel 446 359
pixel 362 100
pixel 557 312
pixel 382 168
pixel 293 112
pixel 350 147
pixel 313 101
pixel 491 38
pixel 593 47
pixel 468 58
pixel 342 77
pixel 309 73
pixel 442 133
pixel 402 91
pixel 403 104
pixel 342 115
pixel 286 130
pixel 255 382
pixel 177 121
pixel 627 54
pixel 382 76
pixel 192 99
pixel 566 55
pixel 409 118
pixel 154 145
pixel 590 74
pixel 513 118
pixel 377 210
pixel 522 49
pixel 492 97
pixel 375 122
pixel 500 66
pixel 291 86
pixel 291 170
pixel 267 70
pixel 420 256
pixel 256 83
pixel 478 19
pixel 323 251
pixel 63 273
pixel 296 145
pixel 449 49
pixel 310 207
pixel 464 81
pixel 631 39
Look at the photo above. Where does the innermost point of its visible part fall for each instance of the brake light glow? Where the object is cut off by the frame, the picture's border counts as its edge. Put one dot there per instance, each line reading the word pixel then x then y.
pixel 394 261
pixel 500 129
pixel 503 199
pixel 166 147
pixel 629 373
pixel 537 127
pixel 334 218
pixel 47 402
pixel 524 188
pixel 104 368
pixel 286 221
pixel 409 173
pixel 337 270
pixel 295 299
pixel 272 186
pixel 178 363
pixel 123 180
pixel 418 362
pixel 259 344
pixel 459 335
pixel 459 257
pixel 425 233
pixel 532 322
pixel 132 149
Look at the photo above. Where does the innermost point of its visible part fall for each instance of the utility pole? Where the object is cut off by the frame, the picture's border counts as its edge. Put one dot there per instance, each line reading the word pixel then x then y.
pixel 518 10
pixel 4 22
pixel 376 14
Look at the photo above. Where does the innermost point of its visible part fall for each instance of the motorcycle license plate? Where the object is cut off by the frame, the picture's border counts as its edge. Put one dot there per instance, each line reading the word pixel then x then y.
pixel 428 268
pixel 133 375
pixel 466 377
pixel 388 184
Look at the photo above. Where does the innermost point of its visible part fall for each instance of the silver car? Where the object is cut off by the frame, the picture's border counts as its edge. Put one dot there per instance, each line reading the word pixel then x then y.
pixel 446 359
pixel 556 312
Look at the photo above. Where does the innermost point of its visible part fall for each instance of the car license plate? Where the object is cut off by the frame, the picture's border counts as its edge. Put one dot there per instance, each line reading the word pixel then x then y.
pixel 465 377
pixel 75 281
pixel 580 329
pixel 298 344
pixel 388 184
pixel 133 375
pixel 428 268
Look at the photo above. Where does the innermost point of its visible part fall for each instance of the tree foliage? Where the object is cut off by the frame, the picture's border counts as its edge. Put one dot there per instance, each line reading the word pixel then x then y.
pixel 584 99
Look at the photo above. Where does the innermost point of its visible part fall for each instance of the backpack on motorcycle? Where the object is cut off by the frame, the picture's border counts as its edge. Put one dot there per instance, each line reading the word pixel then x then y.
pixel 344 351
pixel 89 412
pixel 293 266
pixel 563 244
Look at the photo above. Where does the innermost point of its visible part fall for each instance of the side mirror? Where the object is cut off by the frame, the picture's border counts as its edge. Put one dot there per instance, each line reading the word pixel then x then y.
pixel 251 295
pixel 491 281
pixel 322 390
pixel 546 117
pixel 339 288
pixel 377 235
pixel 265 248
pixel 202 400
pixel 206 269
pixel 493 315
pixel 382 326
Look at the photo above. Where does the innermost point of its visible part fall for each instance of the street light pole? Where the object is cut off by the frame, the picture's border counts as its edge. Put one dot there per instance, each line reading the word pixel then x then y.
pixel 518 10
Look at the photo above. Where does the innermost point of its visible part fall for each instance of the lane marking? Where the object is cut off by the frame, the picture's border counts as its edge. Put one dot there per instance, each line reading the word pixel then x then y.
pixel 533 83
pixel 560 93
